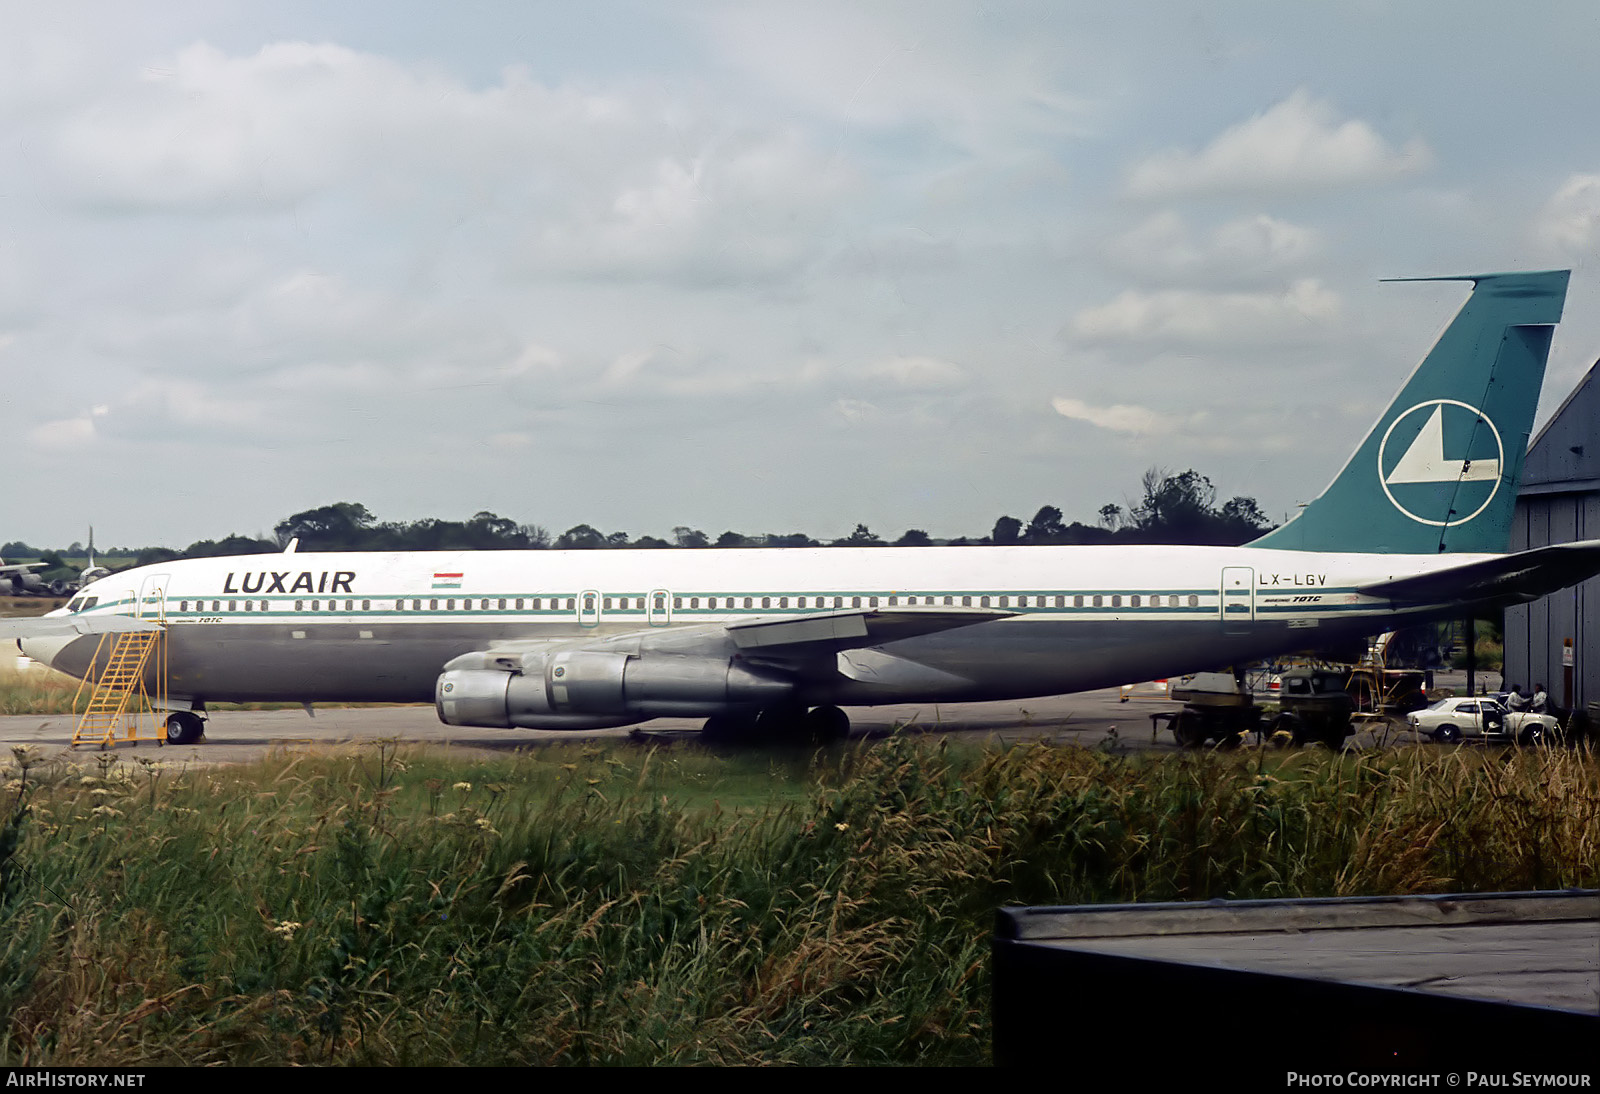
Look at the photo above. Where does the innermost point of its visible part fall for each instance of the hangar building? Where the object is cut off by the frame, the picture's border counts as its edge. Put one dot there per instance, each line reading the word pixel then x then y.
pixel 1560 503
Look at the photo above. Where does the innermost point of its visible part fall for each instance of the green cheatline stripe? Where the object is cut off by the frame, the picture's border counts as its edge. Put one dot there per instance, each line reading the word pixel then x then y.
pixel 1208 606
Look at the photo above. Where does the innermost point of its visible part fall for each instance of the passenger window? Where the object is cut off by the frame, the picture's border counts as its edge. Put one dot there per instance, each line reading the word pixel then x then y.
pixel 263 605
pixel 608 603
pixel 299 605
pixel 1116 601
pixel 249 605
pixel 519 603
pixel 949 601
pixel 677 602
pixel 216 605
pixel 1134 600
pixel 783 602
pixel 800 602
pixel 1194 601
pixel 966 602
pixel 694 602
pixel 316 605
pixel 183 606
pixel 366 605
pixel 983 602
pixel 855 602
pixel 433 603
pixel 748 602
pixel 872 602
pixel 1097 600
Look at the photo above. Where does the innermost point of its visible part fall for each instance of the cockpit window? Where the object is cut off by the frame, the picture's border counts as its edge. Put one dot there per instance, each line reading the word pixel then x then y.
pixel 75 604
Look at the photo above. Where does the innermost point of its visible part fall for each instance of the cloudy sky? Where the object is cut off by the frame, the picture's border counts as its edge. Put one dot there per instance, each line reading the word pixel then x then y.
pixel 768 267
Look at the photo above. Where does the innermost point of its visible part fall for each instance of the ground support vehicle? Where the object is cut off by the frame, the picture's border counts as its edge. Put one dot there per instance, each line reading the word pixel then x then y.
pixel 1217 706
pixel 1313 705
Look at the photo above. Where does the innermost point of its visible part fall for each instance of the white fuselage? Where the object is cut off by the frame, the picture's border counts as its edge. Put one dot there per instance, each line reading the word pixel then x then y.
pixel 380 626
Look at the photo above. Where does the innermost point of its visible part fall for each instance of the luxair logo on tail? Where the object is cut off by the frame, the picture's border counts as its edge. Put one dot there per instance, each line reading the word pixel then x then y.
pixel 1439 462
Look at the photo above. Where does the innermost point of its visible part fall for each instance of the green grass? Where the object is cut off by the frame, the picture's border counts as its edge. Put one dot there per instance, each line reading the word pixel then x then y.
pixel 637 905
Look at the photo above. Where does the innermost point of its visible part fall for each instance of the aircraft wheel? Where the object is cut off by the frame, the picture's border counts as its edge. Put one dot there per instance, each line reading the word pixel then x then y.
pixel 1282 732
pixel 1189 729
pixel 827 724
pixel 783 725
pixel 184 727
pixel 729 728
pixel 1447 735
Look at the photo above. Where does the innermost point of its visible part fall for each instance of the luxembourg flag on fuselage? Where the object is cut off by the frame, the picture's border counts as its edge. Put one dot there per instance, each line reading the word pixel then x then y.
pixel 447 581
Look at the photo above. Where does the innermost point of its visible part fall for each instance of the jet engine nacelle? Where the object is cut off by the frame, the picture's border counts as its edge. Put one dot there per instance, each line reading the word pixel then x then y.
pixel 22 584
pixel 594 689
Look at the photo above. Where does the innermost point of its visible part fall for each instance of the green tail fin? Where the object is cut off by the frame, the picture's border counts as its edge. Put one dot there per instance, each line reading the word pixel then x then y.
pixel 1439 472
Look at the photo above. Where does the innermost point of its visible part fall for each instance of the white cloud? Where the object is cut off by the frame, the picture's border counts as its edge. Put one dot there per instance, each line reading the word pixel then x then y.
pixel 1570 220
pixel 1252 246
pixel 918 373
pixel 627 184
pixel 1120 418
pixel 752 206
pixel 1211 317
pixel 925 64
pixel 1300 143
pixel 855 411
pixel 65 434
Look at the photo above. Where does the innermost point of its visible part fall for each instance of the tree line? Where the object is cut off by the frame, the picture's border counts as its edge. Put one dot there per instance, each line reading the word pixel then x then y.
pixel 1174 508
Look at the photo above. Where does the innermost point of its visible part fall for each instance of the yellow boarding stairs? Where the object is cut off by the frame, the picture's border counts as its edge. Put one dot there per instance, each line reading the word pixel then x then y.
pixel 120 697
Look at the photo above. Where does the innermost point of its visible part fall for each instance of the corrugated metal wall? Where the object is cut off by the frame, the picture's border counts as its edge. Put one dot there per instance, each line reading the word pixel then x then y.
pixel 1560 503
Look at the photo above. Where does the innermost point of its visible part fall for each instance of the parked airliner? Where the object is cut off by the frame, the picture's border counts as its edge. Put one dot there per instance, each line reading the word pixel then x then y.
pixel 775 641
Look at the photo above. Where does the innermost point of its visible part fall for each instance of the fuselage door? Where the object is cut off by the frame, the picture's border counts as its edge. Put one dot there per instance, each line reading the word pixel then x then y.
pixel 589 607
pixel 1238 599
pixel 152 603
pixel 660 610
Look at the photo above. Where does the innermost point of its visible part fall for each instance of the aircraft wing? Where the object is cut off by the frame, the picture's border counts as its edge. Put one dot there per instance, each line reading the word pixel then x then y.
pixel 785 642
pixel 21 567
pixel 1523 576
pixel 852 629
pixel 44 626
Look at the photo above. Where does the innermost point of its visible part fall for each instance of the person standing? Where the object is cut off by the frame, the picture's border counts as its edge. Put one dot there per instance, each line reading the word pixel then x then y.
pixel 1516 702
pixel 1541 700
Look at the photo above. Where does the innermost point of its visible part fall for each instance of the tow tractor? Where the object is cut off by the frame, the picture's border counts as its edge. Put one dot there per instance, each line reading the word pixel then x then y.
pixel 1313 706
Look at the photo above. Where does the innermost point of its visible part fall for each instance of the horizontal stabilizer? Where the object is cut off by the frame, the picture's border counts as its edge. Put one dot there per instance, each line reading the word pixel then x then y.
pixel 851 629
pixel 46 626
pixel 1522 576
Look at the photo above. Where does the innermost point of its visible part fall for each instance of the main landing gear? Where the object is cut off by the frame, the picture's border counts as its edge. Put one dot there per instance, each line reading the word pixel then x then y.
pixel 184 727
pixel 779 725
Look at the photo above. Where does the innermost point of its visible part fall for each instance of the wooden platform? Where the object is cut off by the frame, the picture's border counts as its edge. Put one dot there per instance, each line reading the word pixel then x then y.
pixel 1499 979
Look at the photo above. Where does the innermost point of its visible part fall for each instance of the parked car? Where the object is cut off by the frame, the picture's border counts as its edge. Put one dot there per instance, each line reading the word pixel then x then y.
pixel 1450 720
